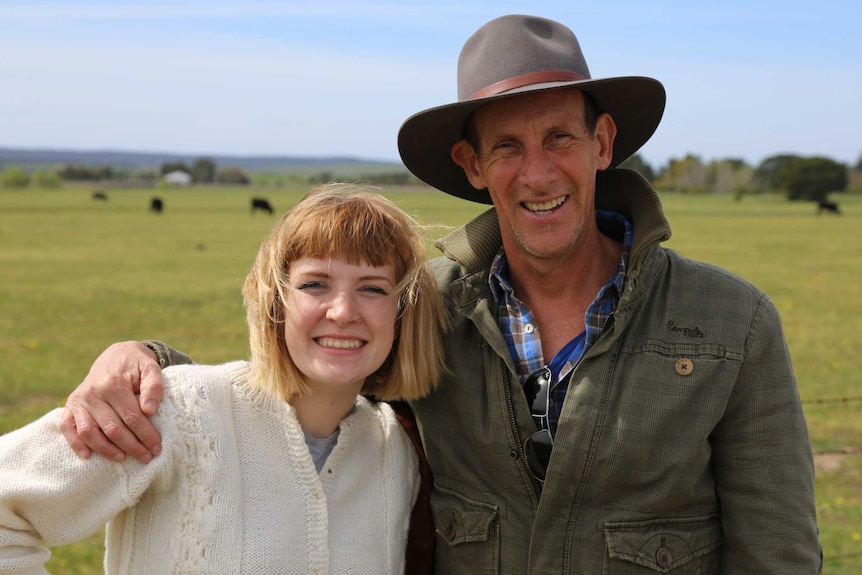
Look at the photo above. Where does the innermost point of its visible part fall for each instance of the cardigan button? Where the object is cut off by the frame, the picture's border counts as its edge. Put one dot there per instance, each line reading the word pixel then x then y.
pixel 451 531
pixel 664 558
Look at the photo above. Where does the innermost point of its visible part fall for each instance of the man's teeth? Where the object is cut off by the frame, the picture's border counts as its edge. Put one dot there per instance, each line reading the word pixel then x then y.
pixel 339 343
pixel 545 206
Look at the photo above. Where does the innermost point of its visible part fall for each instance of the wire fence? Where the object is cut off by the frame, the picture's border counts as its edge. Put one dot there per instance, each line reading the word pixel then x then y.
pixel 832 400
pixel 851 450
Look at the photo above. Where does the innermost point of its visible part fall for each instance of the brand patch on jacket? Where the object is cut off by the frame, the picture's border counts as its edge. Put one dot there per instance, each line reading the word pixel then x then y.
pixel 686 331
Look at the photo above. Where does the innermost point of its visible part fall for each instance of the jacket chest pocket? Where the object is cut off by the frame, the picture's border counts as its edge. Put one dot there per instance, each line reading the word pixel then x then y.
pixel 686 546
pixel 468 534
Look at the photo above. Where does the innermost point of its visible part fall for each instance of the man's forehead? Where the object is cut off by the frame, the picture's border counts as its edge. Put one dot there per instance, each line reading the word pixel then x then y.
pixel 515 110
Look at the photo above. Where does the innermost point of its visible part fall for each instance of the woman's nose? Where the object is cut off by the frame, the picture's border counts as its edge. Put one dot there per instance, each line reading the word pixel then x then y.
pixel 343 308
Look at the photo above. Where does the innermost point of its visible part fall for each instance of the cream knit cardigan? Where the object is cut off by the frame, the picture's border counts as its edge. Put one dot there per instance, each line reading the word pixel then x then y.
pixel 234 490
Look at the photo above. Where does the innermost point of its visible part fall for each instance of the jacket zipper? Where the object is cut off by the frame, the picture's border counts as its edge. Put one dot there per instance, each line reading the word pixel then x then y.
pixel 521 454
pixel 607 322
pixel 511 410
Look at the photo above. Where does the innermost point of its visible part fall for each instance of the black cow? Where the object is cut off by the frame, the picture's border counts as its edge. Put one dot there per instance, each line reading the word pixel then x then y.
pixel 829 207
pixel 156 205
pixel 100 196
pixel 261 204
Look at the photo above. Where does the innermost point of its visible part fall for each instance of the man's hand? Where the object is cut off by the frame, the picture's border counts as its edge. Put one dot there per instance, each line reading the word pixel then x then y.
pixel 104 415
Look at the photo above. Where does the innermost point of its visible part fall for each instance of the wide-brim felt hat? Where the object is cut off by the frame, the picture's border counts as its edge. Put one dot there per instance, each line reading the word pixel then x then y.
pixel 513 55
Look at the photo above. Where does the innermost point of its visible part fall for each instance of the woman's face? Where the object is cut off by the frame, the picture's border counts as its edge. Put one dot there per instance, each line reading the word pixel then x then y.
pixel 339 321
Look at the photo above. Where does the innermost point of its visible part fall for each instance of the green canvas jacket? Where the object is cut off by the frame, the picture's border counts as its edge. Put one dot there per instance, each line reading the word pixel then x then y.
pixel 682 447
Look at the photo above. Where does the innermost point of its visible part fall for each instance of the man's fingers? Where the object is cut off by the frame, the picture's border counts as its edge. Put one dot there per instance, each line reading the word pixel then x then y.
pixel 104 415
pixel 121 423
pixel 152 388
pixel 70 432
pixel 151 393
pixel 85 436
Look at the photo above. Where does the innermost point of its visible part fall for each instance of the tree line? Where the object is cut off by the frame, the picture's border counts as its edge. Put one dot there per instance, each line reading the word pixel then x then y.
pixel 798 177
pixel 203 171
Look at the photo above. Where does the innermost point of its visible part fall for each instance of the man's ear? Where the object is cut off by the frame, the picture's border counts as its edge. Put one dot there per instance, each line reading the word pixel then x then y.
pixel 606 133
pixel 463 154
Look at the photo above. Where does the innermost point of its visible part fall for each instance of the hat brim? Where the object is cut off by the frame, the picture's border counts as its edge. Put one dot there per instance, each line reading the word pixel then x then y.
pixel 425 139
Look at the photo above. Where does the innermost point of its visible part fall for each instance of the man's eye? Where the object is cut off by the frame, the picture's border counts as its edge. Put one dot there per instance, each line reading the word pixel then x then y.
pixel 506 149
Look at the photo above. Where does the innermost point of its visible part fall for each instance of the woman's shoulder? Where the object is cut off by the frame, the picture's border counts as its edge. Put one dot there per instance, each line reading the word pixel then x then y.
pixel 199 384
pixel 380 416
pixel 195 374
pixel 371 408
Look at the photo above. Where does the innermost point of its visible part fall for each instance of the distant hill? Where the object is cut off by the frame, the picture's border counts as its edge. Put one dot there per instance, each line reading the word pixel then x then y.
pixel 140 160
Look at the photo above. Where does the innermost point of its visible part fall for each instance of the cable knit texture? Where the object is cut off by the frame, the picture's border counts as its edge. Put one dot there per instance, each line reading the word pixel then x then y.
pixel 234 490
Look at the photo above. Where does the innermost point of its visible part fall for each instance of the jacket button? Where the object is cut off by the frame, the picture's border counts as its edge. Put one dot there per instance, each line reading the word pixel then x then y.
pixel 684 366
pixel 664 558
pixel 451 531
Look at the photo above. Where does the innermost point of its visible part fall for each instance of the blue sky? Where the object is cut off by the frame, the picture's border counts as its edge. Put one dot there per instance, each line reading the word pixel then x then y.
pixel 745 79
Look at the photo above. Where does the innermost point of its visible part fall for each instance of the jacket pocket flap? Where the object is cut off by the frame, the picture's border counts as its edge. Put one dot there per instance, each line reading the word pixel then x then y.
pixel 458 519
pixel 662 544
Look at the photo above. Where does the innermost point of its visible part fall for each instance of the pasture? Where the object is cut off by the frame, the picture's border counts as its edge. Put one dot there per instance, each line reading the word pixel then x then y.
pixel 79 274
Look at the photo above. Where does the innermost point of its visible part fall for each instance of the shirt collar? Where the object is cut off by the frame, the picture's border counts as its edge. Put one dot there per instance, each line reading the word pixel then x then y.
pixel 611 224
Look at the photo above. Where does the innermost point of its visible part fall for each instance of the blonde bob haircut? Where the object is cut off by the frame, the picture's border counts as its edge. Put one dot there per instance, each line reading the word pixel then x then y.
pixel 358 225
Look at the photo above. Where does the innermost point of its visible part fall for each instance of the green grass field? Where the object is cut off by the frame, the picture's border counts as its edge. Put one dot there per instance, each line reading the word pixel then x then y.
pixel 78 275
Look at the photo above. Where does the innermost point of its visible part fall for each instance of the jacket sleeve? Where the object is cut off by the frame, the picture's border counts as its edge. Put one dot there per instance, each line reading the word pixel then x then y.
pixel 763 463
pixel 49 497
pixel 167 355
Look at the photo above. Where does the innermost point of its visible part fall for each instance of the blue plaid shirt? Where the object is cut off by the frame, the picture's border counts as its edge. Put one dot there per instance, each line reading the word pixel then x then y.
pixel 521 332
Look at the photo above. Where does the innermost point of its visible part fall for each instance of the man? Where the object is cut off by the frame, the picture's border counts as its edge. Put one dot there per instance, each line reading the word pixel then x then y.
pixel 611 406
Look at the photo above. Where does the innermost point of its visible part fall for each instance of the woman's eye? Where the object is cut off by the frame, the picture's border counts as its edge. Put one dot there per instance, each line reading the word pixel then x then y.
pixel 375 289
pixel 310 285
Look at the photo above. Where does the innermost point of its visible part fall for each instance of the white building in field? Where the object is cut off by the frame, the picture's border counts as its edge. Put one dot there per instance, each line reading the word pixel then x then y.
pixel 177 178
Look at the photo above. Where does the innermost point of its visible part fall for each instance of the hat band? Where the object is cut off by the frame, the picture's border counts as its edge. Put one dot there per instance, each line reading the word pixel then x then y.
pixel 526 80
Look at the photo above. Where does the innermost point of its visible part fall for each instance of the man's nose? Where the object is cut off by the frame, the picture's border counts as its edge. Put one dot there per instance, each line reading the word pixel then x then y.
pixel 536 167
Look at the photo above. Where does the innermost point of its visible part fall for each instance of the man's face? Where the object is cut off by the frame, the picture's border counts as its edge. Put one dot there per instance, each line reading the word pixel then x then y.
pixel 538 160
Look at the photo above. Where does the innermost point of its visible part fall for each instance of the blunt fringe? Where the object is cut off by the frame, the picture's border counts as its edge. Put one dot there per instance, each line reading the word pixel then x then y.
pixel 359 225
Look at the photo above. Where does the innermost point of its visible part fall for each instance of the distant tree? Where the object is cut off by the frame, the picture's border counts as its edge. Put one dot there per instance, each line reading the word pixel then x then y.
pixel 858 166
pixel 686 175
pixel 47 180
pixel 813 178
pixel 169 167
pixel 691 175
pixel 146 174
pixel 78 172
pixel 321 178
pixel 204 171
pixel 771 174
pixel 638 164
pixel 388 179
pixel 14 177
pixel 232 175
pixel 731 175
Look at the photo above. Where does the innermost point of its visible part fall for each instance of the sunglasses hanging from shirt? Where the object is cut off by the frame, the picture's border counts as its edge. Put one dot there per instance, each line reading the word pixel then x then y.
pixel 537 448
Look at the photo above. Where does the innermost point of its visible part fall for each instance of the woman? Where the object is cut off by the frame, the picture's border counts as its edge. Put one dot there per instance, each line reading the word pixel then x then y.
pixel 277 465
